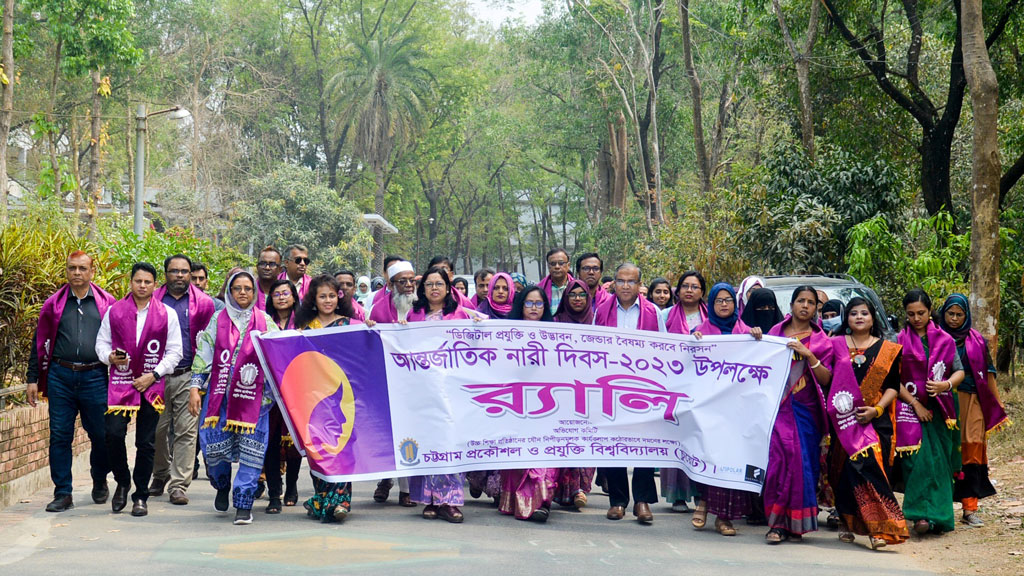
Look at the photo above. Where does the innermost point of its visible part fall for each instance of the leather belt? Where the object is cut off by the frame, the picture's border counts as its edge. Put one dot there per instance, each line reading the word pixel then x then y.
pixel 78 366
pixel 179 371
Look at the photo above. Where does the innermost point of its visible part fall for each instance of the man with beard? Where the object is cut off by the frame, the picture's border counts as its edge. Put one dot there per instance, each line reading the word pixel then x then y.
pixel 268 268
pixel 295 269
pixel 589 268
pixel 382 293
pixel 402 287
pixel 177 429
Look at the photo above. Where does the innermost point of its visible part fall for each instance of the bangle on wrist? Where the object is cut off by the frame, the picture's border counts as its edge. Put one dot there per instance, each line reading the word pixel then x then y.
pixel 816 365
pixel 878 410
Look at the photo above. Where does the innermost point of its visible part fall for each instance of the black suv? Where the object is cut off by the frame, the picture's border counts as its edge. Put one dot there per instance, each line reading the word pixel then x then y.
pixel 838 286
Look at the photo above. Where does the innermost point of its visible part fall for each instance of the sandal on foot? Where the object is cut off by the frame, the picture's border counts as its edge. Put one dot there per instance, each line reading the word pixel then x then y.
pixel 380 494
pixel 580 500
pixel 430 512
pixel 846 536
pixel 274 507
pixel 700 515
pixel 724 527
pixel 877 543
pixel 776 536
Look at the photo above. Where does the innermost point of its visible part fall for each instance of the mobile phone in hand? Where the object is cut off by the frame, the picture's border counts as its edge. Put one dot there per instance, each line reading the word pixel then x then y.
pixel 119 353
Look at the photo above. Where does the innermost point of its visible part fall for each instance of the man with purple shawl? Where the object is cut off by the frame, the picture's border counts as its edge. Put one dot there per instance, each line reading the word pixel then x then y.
pixel 63 367
pixel 140 339
pixel 175 463
pixel 589 268
pixel 558 276
pixel 235 410
pixel 631 311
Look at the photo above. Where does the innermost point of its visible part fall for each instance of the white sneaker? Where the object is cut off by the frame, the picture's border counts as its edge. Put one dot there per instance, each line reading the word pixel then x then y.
pixel 243 517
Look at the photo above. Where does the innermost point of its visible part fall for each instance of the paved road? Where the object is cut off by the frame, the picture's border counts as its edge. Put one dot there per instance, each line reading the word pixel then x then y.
pixel 377 538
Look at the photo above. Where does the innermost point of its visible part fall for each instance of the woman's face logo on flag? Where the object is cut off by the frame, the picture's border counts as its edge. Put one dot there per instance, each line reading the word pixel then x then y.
pixel 320 402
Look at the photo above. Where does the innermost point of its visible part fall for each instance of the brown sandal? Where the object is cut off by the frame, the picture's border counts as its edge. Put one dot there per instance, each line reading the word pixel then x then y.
pixel 450 513
pixel 700 515
pixel 776 536
pixel 724 527
pixel 430 512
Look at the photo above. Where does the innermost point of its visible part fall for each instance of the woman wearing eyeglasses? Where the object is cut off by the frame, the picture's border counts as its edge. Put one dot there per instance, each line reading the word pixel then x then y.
pixel 235 427
pixel 442 494
pixel 727 505
pixel 527 494
pixel 281 304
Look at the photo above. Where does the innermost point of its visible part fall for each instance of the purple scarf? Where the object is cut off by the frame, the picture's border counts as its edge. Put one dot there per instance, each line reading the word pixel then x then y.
pixel 545 285
pixel 384 311
pixel 844 397
pixel 302 286
pixel 241 387
pixel 607 314
pixel 460 313
pixel 200 310
pixel 49 319
pixel 599 297
pixel 502 309
pixel 676 322
pixel 993 412
pixel 122 397
pixel 822 348
pixel 917 368
pixel 566 315
pixel 709 329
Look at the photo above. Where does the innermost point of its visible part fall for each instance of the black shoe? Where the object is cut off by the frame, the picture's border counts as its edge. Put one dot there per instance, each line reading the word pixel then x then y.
pixel 222 500
pixel 275 506
pixel 195 471
pixel 60 503
pixel 157 487
pixel 100 492
pixel 243 516
pixel 261 488
pixel 120 498
pixel 139 508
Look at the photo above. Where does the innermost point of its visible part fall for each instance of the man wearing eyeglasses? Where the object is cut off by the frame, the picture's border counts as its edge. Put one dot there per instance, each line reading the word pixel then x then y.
pixel 628 309
pixel 268 267
pixel 176 432
pixel 295 268
pixel 558 276
pixel 589 268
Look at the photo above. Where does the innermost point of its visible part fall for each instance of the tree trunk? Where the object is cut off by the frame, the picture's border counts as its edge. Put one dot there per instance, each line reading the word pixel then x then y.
pixel 936 152
pixel 95 191
pixel 378 231
pixel 985 174
pixel 78 181
pixel 129 130
pixel 801 59
pixel 54 160
pixel 696 97
pixel 6 101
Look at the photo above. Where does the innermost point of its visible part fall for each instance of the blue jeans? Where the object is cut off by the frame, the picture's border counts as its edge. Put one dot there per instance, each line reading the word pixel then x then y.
pixel 72 394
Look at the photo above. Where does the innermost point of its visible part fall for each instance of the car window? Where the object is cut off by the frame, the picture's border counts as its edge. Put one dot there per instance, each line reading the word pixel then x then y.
pixel 783 294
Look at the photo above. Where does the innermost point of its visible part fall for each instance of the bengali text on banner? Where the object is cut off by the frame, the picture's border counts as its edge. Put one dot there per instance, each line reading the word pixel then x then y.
pixel 443 397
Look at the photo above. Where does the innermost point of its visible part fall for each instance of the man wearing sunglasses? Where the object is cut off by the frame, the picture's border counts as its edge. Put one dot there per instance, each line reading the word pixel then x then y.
pixel 295 268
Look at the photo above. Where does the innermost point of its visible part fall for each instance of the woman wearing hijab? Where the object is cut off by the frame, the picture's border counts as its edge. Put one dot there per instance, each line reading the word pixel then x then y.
pixel 747 287
pixel 726 504
pixel 519 280
pixel 794 452
pixel 930 372
pixel 527 494
pixel 573 484
pixel 282 302
pixel 363 291
pixel 981 411
pixel 861 452
pixel 832 316
pixel 235 422
pixel 501 291
pixel 689 311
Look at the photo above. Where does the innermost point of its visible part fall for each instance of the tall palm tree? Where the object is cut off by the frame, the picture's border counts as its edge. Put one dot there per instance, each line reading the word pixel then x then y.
pixel 382 89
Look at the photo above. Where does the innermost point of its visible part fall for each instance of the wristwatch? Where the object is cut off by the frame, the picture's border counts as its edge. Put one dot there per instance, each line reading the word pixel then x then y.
pixel 155 375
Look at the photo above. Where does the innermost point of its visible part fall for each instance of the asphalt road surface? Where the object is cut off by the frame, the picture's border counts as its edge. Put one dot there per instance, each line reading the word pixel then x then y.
pixel 388 539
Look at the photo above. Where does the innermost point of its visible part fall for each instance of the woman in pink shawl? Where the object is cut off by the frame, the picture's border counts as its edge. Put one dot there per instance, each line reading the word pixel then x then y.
pixel 281 304
pixel 689 311
pixel 794 452
pixel 442 494
pixel 726 504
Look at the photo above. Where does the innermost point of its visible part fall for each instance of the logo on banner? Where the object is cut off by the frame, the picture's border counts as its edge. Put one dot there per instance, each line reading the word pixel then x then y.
pixel 409 451
pixel 843 402
pixel 755 474
pixel 321 403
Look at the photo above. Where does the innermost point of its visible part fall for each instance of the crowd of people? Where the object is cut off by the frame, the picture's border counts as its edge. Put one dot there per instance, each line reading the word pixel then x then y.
pixel 181 364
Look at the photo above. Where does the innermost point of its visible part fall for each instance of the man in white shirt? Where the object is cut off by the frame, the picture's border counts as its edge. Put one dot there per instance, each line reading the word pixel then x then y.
pixel 139 362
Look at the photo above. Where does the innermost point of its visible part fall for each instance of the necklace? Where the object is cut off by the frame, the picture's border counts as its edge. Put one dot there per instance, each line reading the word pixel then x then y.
pixel 859 358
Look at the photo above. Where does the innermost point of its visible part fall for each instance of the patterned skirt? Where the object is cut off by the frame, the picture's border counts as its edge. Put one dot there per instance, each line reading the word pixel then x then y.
pixel 438 489
pixel 328 497
pixel 525 491
pixel 864 500
pixel 572 481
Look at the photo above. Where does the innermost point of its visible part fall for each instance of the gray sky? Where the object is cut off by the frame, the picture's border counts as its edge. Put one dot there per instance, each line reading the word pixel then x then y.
pixel 497 11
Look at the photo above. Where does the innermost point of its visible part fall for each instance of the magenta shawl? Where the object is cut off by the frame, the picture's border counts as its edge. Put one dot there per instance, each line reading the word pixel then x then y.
pixel 545 284
pixel 144 355
pixel 502 309
pixel 460 313
pixel 49 319
pixel 302 285
pixel 200 310
pixel 607 314
pixel 241 384
pixel 676 321
pixel 918 368
pixel 709 329
pixel 993 412
pixel 844 397
pixel 822 348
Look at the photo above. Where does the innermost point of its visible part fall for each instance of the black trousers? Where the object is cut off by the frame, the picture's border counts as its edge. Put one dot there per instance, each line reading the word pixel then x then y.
pixel 644 489
pixel 145 442
pixel 272 462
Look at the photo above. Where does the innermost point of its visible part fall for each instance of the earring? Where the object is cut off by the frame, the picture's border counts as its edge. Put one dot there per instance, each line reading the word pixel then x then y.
pixel 849 330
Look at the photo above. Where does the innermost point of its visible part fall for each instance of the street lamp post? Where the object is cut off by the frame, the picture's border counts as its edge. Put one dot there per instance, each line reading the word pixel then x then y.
pixel 176 112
